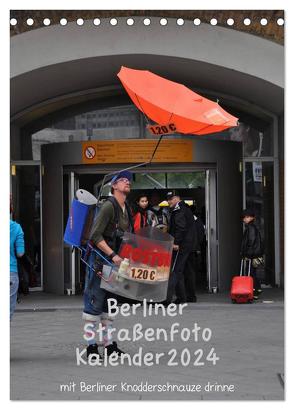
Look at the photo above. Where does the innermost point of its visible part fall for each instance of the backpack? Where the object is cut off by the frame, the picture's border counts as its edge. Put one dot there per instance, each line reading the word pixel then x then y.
pixel 115 240
pixel 161 217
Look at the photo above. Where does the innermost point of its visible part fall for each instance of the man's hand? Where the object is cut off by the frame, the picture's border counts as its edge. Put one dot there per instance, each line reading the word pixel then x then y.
pixel 175 247
pixel 117 260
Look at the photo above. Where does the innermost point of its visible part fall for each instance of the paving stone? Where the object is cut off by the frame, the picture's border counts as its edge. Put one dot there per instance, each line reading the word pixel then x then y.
pixel 248 340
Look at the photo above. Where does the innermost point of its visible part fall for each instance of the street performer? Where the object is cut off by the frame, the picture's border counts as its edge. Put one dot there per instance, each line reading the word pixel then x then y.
pixel 114 218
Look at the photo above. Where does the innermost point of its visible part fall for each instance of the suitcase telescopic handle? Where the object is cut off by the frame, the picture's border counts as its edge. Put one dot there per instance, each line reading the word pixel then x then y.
pixel 249 269
pixel 243 264
pixel 241 268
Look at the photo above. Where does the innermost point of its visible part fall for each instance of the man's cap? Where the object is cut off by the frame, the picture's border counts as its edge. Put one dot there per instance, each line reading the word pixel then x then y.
pixel 248 212
pixel 122 174
pixel 172 193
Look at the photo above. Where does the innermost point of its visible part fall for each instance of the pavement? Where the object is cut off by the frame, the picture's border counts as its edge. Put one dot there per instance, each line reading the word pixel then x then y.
pixel 235 353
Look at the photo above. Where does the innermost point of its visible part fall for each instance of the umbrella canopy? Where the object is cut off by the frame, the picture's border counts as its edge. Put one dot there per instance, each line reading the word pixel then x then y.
pixel 173 106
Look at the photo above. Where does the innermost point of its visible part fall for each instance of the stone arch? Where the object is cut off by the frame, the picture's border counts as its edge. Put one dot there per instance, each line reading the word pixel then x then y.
pixel 56 61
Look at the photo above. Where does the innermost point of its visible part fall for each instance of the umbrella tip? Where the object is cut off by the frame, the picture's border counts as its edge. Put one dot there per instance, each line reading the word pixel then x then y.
pixel 217 100
pixel 121 69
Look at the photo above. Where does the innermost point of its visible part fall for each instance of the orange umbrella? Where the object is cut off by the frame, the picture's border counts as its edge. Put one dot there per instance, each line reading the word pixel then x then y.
pixel 173 106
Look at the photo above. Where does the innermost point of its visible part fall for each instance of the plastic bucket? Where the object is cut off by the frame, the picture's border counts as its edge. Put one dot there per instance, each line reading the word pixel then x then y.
pixel 134 288
pixel 149 253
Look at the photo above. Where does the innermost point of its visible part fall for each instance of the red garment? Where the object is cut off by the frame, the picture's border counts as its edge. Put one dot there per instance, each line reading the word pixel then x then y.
pixel 140 221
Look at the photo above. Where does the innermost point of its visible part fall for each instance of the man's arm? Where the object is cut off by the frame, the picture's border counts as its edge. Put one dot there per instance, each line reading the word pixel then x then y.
pixel 105 216
pixel 102 245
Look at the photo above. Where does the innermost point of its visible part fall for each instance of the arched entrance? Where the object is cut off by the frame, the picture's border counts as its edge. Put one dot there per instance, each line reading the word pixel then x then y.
pixel 51 87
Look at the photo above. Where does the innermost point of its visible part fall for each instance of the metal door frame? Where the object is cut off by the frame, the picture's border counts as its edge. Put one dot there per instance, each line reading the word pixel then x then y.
pixel 72 187
pixel 211 213
pixel 275 162
pixel 211 231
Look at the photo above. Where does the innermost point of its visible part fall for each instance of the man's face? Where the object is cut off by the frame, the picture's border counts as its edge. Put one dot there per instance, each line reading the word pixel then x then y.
pixel 172 202
pixel 122 185
pixel 247 219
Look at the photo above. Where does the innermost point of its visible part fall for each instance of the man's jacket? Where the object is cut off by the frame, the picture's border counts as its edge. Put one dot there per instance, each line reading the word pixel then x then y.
pixel 182 226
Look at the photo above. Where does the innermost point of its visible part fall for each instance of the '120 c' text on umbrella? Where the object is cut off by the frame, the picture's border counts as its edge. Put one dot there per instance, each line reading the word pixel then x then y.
pixel 173 106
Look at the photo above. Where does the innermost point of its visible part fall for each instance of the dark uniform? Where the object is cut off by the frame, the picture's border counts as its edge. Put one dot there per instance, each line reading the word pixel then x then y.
pixel 191 270
pixel 182 229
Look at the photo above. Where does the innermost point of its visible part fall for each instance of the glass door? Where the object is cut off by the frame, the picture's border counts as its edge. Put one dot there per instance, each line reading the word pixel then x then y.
pixel 71 254
pixel 211 231
pixel 26 194
pixel 259 185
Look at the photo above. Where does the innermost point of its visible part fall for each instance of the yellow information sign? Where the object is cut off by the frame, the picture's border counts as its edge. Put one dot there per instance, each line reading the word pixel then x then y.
pixel 133 151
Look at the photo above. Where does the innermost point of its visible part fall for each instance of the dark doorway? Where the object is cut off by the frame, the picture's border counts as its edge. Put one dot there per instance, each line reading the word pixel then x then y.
pixel 191 187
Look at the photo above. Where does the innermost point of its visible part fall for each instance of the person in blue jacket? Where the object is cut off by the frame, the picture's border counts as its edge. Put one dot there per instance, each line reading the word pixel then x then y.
pixel 16 250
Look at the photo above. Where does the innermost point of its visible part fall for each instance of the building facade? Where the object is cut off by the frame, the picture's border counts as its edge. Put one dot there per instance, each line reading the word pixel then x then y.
pixel 65 93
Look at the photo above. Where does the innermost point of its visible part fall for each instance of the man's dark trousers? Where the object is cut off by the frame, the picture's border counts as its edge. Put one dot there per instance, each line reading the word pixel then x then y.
pixel 176 280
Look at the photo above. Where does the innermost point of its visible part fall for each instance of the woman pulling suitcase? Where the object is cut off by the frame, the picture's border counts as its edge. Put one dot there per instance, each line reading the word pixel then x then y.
pixel 252 248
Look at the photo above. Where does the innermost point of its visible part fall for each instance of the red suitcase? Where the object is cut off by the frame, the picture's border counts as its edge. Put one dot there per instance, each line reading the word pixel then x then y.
pixel 242 286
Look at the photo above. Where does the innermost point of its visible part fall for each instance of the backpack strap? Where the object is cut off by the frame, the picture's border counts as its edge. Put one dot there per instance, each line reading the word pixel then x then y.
pixel 116 206
pixel 131 221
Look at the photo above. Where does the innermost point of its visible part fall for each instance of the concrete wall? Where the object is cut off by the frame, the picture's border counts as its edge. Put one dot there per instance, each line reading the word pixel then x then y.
pixel 227 156
pixel 56 61
pixel 214 45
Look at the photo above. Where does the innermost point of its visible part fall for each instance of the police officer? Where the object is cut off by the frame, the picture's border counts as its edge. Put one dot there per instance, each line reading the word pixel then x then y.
pixel 191 269
pixel 114 218
pixel 181 227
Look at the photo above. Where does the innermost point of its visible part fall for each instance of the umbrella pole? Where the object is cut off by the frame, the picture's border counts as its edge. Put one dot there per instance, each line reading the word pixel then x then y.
pixel 128 168
pixel 157 145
